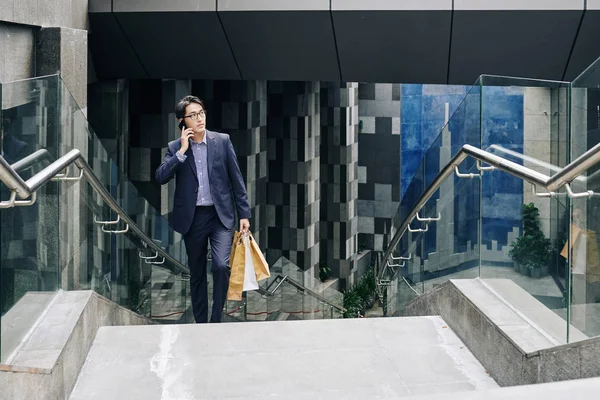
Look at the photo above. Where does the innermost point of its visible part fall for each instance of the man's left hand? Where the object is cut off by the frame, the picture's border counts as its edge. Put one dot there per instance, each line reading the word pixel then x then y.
pixel 244 225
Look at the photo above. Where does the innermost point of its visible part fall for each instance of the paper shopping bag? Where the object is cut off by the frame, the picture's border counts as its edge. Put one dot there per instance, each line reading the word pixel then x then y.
pixel 249 274
pixel 261 268
pixel 237 259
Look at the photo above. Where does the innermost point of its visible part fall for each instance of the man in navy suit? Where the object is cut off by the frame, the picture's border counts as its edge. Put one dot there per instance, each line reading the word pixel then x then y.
pixel 209 189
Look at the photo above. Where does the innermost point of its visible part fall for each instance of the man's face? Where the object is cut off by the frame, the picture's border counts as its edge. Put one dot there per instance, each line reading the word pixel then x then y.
pixel 195 118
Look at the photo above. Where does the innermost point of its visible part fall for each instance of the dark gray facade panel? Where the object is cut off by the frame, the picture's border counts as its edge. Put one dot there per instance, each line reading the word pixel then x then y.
pixel 283 46
pixel 163 5
pixel 393 46
pixel 112 54
pixel 531 44
pixel 587 47
pixel 273 5
pixel 180 45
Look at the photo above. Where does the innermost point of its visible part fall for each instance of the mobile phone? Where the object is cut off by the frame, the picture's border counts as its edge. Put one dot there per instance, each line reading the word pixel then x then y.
pixel 182 124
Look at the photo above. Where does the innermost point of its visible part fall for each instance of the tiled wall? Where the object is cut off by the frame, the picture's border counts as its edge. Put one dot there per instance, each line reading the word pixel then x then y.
pixel 378 162
pixel 239 108
pixel 293 189
pixel 339 176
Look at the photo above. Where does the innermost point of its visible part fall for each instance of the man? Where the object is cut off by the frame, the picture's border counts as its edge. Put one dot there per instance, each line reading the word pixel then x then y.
pixel 209 188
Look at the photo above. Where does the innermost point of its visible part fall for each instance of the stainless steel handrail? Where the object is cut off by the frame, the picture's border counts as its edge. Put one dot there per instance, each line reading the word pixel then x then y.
pixel 75 157
pixel 25 189
pixel 280 279
pixel 30 160
pixel 556 181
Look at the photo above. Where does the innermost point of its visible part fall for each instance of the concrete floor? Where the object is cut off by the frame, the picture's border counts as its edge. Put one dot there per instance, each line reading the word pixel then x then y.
pixel 349 359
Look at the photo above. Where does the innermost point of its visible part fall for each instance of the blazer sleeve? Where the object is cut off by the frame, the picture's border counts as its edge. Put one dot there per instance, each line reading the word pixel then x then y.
pixel 237 183
pixel 166 170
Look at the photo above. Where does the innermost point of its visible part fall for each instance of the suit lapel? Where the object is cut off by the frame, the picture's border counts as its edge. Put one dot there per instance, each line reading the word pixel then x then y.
pixel 211 148
pixel 191 160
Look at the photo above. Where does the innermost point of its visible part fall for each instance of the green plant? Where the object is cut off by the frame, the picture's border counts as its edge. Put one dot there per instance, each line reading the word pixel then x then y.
pixel 353 304
pixel 361 296
pixel 324 272
pixel 531 250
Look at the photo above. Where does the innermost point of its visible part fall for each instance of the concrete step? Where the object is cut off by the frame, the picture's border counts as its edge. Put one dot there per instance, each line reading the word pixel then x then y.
pixel 531 324
pixel 575 389
pixel 44 362
pixel 19 322
pixel 517 338
pixel 350 359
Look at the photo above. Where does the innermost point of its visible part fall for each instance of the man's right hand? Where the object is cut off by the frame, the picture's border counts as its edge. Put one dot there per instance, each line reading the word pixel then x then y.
pixel 186 134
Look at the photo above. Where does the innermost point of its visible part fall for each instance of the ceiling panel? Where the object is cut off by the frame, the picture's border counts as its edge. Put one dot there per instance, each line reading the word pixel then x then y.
pixel 514 43
pixel 180 45
pixel 587 47
pixel 111 52
pixel 282 45
pixel 393 46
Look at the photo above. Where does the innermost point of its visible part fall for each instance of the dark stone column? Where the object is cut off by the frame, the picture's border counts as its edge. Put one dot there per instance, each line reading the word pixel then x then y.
pixel 294 173
pixel 339 176
pixel 378 162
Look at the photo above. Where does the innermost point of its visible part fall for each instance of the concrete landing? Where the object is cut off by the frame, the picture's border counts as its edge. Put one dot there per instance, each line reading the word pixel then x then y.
pixel 349 359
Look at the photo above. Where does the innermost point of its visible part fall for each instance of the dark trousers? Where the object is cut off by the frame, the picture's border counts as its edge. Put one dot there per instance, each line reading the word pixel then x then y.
pixel 207 225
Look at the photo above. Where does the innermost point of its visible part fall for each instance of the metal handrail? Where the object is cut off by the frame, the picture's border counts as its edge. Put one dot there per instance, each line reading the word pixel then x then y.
pixel 280 279
pixel 540 163
pixel 75 157
pixel 25 189
pixel 551 184
pixel 30 160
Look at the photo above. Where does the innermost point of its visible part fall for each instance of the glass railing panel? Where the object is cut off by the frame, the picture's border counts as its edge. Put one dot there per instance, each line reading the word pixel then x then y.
pixel 57 242
pixel 524 121
pixel 451 245
pixel 29 236
pixel 128 196
pixel 336 297
pixel 583 262
pixel 462 128
pixel 150 289
pixel 150 285
pixel 274 302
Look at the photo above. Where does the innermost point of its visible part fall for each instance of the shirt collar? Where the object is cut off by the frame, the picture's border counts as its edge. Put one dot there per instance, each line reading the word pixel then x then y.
pixel 203 140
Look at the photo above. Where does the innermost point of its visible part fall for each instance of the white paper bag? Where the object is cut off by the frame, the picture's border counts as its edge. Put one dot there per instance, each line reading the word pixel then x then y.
pixel 250 282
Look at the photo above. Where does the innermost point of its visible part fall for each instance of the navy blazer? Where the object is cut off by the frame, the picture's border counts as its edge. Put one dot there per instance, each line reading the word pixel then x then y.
pixel 226 182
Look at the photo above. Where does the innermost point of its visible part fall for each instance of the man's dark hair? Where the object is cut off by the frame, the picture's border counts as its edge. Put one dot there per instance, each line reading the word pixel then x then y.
pixel 186 101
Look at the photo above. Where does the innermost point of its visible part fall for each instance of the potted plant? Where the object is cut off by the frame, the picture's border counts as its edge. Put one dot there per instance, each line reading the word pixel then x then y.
pixel 361 296
pixel 532 251
pixel 324 272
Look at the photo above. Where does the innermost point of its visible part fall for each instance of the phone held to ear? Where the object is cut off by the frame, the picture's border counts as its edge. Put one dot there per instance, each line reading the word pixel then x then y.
pixel 182 124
